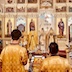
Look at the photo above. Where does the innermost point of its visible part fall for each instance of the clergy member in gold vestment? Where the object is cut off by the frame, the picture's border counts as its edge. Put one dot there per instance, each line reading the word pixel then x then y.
pixel 14 57
pixel 55 63
pixel 50 37
pixel 33 40
pixel 24 39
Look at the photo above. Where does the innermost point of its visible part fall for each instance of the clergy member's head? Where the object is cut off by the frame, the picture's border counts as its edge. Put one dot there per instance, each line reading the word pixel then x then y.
pixel 53 48
pixel 16 34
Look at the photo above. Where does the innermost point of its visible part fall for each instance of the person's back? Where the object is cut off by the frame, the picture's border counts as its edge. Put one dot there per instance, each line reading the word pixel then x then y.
pixel 11 59
pixel 55 64
pixel 13 56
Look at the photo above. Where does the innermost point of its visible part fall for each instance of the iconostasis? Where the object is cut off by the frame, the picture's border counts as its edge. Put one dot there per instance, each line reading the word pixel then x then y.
pixel 44 14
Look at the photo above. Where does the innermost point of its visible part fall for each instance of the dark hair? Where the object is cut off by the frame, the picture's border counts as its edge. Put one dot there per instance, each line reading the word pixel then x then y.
pixel 53 47
pixel 15 34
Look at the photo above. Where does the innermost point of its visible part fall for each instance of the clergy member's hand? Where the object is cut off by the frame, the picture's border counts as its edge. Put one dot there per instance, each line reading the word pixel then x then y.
pixel 23 62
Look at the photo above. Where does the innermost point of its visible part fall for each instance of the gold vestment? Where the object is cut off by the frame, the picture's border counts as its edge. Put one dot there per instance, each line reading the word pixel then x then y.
pixel 33 40
pixel 55 64
pixel 37 64
pixel 50 37
pixel 13 57
pixel 24 39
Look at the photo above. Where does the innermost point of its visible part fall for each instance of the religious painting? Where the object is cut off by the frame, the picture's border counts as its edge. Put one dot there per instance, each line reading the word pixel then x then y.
pixel 32 24
pixel 1 9
pixel 45 21
pixel 0 27
pixel 20 9
pixel 9 1
pixel 46 4
pixel 32 1
pixel 20 1
pixel 70 0
pixel 9 9
pixel 70 8
pixel 9 26
pixel 60 1
pixel 32 9
pixel 1 45
pixel 61 8
pixel 21 24
pixel 61 27
pixel 70 28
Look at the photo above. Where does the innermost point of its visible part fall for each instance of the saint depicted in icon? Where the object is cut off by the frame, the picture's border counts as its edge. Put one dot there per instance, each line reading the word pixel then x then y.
pixel 32 25
pixel 9 27
pixel 32 1
pixel 46 4
pixel 61 27
pixel 21 1
pixel 10 1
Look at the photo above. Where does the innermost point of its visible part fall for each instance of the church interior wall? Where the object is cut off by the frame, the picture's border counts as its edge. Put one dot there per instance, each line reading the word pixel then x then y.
pixel 43 16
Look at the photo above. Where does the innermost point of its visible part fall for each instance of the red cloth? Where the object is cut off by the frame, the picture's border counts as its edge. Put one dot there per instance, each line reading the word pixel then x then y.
pixel 62 53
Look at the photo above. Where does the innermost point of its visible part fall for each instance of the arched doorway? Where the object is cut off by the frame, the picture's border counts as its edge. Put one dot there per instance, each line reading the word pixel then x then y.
pixel 21 23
